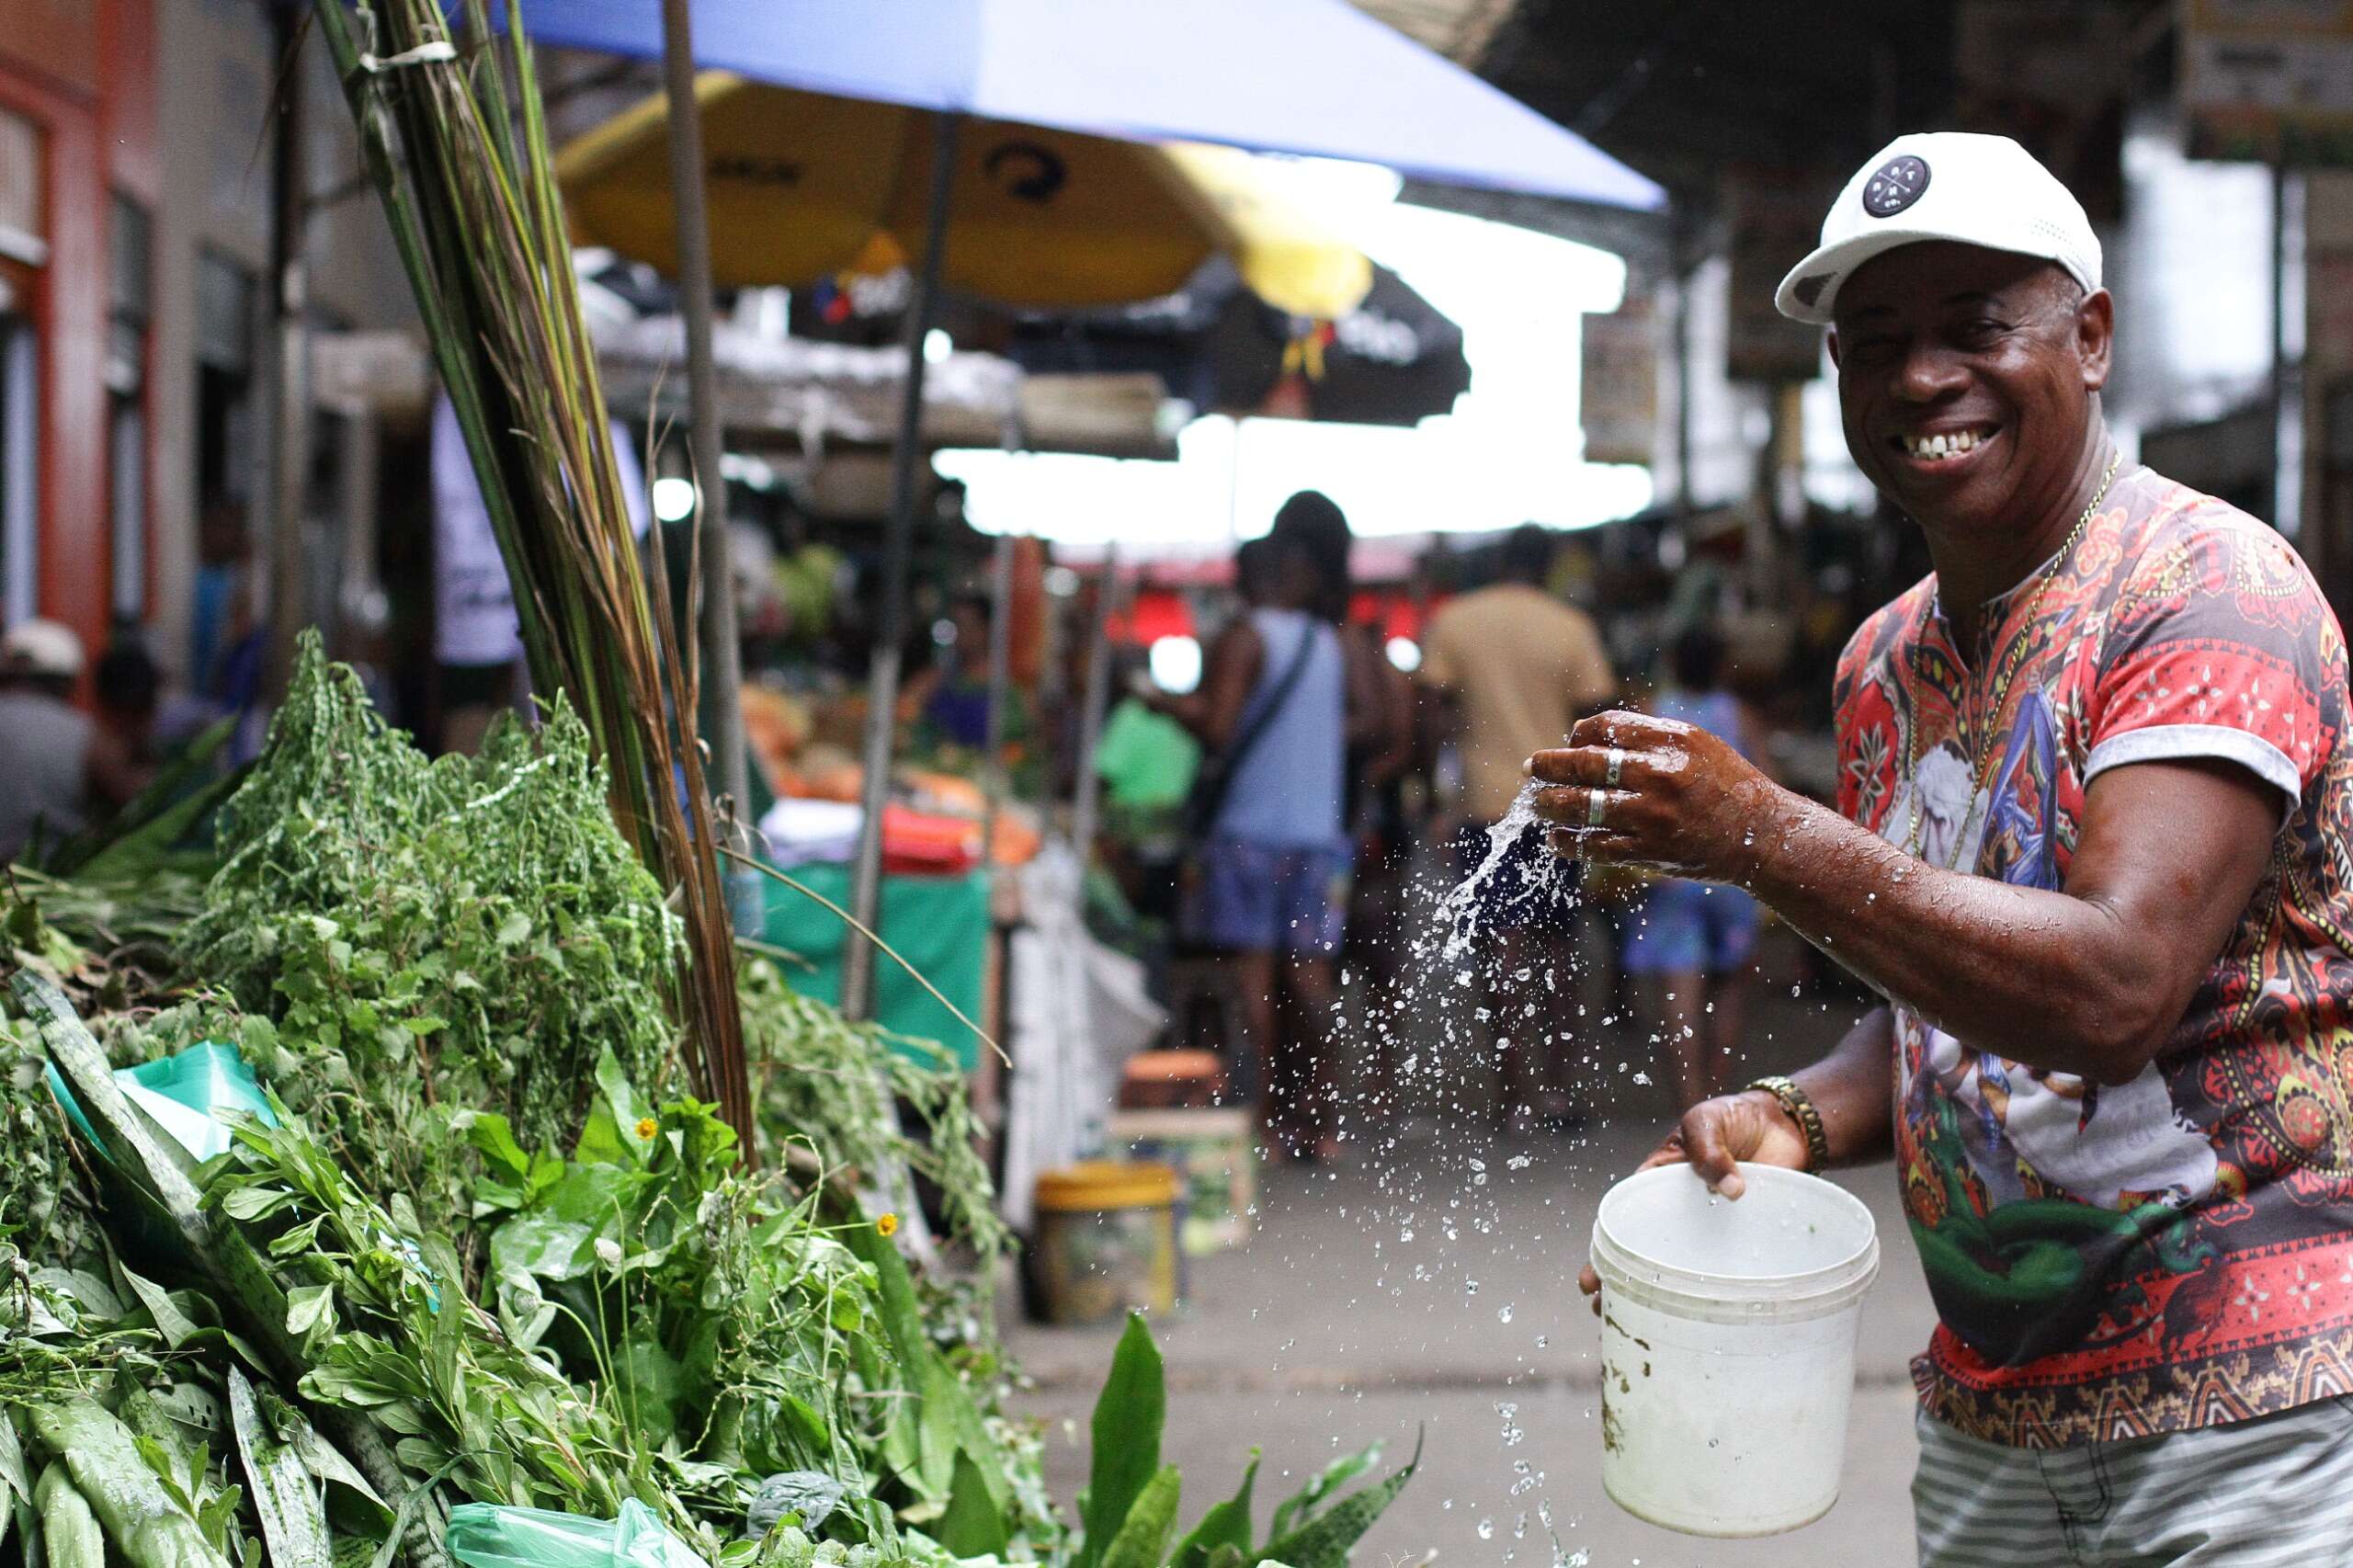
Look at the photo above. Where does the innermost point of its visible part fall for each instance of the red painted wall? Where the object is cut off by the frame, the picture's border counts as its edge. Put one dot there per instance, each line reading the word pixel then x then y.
pixel 127 110
pixel 99 135
pixel 127 125
pixel 70 313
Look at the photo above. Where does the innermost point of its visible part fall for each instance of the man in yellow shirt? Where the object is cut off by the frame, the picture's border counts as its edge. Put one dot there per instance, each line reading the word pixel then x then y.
pixel 1511 668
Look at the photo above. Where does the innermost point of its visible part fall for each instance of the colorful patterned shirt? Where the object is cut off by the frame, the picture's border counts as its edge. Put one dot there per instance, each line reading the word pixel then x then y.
pixel 2176 1252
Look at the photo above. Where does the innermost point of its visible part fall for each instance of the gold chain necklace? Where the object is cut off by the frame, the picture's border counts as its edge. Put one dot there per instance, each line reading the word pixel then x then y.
pixel 1981 752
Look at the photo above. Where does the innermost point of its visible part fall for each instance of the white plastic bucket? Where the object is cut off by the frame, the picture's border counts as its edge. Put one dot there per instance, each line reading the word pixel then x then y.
pixel 1728 1347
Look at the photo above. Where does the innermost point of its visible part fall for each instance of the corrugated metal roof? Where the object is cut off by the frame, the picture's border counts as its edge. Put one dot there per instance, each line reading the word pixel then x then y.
pixel 1459 29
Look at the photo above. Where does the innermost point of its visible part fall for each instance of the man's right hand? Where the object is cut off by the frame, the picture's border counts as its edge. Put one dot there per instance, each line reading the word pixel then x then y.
pixel 1714 1137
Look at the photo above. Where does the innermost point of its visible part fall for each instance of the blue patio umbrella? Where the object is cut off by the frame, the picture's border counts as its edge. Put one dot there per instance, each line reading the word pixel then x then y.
pixel 1313 77
pixel 1317 77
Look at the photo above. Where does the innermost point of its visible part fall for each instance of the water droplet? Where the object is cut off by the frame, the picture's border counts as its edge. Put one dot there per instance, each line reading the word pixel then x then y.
pixel 1486 1530
pixel 1503 1315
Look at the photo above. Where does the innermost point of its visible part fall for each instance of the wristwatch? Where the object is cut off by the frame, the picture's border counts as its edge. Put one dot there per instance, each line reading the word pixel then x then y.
pixel 1802 1110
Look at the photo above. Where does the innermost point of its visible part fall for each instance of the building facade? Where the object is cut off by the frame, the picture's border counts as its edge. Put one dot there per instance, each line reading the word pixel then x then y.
pixel 138 147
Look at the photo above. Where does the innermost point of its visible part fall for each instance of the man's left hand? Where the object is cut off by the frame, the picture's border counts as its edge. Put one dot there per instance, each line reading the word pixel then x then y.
pixel 1685 802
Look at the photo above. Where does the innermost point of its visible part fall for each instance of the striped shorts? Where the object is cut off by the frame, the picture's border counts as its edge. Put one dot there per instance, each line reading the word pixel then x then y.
pixel 2277 1489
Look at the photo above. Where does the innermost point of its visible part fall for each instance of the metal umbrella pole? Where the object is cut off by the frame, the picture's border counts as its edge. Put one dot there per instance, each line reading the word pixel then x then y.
pixel 723 667
pixel 289 451
pixel 993 782
pixel 1087 810
pixel 898 545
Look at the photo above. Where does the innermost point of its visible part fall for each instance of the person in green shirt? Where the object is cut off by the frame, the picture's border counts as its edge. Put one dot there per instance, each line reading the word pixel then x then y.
pixel 1146 759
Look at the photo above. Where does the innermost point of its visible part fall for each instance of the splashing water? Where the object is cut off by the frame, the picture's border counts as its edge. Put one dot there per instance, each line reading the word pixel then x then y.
pixel 1426 1032
pixel 1459 913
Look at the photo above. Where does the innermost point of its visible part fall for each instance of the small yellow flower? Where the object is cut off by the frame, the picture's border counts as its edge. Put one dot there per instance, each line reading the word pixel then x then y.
pixel 647 1127
pixel 887 1225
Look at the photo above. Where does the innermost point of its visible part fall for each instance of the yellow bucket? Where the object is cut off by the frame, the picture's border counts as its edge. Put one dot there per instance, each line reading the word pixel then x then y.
pixel 1106 1241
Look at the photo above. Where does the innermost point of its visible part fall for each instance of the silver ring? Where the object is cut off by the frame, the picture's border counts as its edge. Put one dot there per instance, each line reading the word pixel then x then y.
pixel 1593 803
pixel 1617 761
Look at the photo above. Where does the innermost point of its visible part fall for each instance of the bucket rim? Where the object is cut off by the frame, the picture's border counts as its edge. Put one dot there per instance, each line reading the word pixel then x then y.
pixel 1858 1267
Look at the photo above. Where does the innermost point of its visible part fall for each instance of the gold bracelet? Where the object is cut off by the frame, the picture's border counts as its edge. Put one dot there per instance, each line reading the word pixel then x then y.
pixel 1802 1110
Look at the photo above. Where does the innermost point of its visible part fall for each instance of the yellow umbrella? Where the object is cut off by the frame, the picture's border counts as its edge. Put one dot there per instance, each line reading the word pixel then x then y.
pixel 804 186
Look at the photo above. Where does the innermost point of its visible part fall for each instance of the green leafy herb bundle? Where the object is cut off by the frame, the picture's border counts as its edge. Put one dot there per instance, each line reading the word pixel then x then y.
pixel 416 940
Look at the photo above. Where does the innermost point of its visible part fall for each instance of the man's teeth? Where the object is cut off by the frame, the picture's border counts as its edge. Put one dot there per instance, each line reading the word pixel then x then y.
pixel 1931 448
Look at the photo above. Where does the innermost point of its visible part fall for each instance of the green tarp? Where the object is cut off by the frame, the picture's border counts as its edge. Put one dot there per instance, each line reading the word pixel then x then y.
pixel 940 925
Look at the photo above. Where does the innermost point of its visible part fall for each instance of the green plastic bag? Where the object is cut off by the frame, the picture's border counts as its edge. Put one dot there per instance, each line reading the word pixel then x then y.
pixel 181 1093
pixel 483 1535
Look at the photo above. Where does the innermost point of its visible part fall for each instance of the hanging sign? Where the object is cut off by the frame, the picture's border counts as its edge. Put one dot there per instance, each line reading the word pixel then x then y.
pixel 1618 392
pixel 2269 81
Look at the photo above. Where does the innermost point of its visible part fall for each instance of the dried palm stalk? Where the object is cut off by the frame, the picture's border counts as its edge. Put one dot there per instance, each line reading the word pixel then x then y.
pixel 455 141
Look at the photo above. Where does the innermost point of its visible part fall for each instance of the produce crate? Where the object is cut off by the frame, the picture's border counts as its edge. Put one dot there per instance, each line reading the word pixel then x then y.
pixel 1214 1153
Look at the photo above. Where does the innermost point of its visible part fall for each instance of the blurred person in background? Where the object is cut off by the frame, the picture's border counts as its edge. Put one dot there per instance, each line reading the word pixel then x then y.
pixel 477 638
pixel 126 748
pixel 1380 754
pixel 950 697
pixel 1267 884
pixel 1689 943
pixel 56 770
pixel 225 630
pixel 1507 669
pixel 1381 711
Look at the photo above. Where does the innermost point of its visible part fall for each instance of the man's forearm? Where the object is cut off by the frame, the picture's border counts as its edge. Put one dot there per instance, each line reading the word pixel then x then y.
pixel 2036 976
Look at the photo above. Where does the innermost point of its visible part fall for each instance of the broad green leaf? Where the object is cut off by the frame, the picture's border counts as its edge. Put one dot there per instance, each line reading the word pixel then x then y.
pixel 555 1238
pixel 286 1500
pixel 298 1240
pixel 131 1497
pixel 902 1313
pixel 255 1202
pixel 1143 1541
pixel 170 1322
pixel 614 1085
pixel 308 1306
pixel 812 1496
pixel 12 1463
pixel 647 1382
pixel 494 1136
pixel 1227 1524
pixel 1129 1415
pixel 70 1534
pixel 326 1464
pixel 973 1524
pixel 1296 1510
pixel 1326 1540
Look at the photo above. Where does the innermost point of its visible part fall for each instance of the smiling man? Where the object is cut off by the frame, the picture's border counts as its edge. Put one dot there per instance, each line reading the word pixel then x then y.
pixel 2094 847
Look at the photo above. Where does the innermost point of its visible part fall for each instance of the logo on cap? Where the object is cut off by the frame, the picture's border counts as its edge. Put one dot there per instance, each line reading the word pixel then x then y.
pixel 1894 185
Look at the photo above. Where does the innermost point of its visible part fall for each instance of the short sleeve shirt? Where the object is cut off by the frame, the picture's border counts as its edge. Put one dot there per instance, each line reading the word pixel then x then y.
pixel 1523 666
pixel 2116 1261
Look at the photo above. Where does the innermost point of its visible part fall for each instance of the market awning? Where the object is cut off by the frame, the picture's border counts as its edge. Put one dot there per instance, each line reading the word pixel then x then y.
pixel 1316 78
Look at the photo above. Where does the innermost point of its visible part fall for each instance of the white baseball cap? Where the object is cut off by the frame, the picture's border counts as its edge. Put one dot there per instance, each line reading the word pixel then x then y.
pixel 1942 185
pixel 43 648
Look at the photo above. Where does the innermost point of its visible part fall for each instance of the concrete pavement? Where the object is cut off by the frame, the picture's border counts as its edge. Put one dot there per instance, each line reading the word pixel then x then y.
pixel 1427 1285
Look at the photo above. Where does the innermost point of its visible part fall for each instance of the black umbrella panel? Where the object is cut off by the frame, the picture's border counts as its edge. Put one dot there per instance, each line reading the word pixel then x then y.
pixel 1393 360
